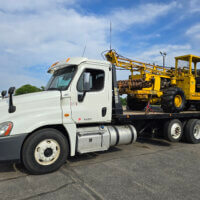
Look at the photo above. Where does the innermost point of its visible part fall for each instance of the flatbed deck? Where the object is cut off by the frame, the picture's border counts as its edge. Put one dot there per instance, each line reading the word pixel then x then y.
pixel 141 115
pixel 153 120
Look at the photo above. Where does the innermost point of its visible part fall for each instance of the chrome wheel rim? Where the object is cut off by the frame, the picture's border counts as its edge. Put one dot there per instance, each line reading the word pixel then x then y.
pixel 196 131
pixel 47 152
pixel 176 131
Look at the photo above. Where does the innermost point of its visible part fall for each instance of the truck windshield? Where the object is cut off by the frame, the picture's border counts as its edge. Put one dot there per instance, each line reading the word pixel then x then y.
pixel 61 79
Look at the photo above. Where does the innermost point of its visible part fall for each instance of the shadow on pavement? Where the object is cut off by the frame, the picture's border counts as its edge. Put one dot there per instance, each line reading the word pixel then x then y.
pixel 12 167
pixel 7 167
pixel 20 167
pixel 88 156
pixel 154 141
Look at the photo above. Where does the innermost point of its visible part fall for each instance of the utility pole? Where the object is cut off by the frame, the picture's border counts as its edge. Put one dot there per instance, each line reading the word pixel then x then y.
pixel 163 54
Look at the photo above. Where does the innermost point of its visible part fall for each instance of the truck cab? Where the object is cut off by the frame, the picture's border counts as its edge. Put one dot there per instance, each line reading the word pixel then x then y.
pixel 92 104
pixel 73 115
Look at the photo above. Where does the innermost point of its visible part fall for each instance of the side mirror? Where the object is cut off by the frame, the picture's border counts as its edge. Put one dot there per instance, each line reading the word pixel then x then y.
pixel 12 108
pixel 86 86
pixel 11 90
pixel 86 81
pixel 3 93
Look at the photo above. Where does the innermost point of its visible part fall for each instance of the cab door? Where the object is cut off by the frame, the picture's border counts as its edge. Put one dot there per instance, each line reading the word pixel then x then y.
pixel 95 104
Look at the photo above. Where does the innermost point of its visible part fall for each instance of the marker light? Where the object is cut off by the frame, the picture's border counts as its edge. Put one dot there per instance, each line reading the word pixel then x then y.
pixel 54 64
pixel 5 128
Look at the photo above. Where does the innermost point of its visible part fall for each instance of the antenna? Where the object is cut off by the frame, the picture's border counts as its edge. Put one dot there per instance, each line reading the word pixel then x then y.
pixel 84 51
pixel 110 34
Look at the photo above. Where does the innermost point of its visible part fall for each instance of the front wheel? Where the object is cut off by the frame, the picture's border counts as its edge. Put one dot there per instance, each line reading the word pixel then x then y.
pixel 173 100
pixel 45 151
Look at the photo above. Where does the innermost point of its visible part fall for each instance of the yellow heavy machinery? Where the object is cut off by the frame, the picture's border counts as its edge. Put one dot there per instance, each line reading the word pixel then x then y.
pixel 175 89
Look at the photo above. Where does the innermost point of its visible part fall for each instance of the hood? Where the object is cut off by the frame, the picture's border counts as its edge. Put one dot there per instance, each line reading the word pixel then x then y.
pixel 28 103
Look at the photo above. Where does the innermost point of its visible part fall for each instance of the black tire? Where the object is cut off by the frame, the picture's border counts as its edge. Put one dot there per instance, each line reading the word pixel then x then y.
pixel 168 100
pixel 192 127
pixel 187 106
pixel 183 139
pixel 197 106
pixel 173 130
pixel 135 104
pixel 56 145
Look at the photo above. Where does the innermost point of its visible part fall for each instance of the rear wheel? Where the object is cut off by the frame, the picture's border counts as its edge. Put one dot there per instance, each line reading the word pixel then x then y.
pixel 192 131
pixel 173 130
pixel 135 104
pixel 45 151
pixel 173 100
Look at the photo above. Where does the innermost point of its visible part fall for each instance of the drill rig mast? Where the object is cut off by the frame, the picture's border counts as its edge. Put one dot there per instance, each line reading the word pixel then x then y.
pixel 145 83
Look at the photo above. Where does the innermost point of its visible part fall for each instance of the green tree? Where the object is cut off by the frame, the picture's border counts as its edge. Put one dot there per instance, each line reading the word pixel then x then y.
pixel 123 101
pixel 42 88
pixel 25 89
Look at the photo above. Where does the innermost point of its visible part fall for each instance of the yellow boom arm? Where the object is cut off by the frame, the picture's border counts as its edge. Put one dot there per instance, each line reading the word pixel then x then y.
pixel 134 65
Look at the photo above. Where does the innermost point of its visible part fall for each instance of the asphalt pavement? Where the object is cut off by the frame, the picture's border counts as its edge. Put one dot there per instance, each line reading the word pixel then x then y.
pixel 147 169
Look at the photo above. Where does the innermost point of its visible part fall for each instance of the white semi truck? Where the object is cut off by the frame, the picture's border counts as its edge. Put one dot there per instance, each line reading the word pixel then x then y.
pixel 79 112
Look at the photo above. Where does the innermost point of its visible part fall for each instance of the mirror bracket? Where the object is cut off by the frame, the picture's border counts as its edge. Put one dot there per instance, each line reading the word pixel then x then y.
pixel 81 96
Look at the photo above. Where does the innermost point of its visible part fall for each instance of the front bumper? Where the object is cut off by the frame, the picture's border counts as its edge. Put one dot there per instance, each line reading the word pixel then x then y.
pixel 10 147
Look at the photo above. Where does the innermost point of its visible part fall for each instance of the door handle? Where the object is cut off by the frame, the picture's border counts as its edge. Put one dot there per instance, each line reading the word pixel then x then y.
pixel 104 110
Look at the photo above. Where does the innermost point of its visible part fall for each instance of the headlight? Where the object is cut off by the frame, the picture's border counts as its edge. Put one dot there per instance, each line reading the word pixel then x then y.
pixel 5 128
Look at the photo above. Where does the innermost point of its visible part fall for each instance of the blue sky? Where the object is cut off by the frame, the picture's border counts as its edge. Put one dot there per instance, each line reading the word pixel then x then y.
pixel 36 33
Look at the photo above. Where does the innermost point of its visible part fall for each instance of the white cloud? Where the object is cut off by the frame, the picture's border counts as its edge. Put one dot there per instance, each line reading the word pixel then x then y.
pixel 43 38
pixel 194 32
pixel 44 31
pixel 32 5
pixel 152 54
pixel 194 6
pixel 17 79
pixel 146 13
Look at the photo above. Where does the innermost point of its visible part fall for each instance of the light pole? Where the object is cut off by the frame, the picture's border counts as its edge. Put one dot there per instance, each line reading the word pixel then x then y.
pixel 163 54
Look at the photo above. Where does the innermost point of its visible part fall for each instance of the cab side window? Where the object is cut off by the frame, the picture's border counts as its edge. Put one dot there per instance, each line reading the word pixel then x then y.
pixel 96 80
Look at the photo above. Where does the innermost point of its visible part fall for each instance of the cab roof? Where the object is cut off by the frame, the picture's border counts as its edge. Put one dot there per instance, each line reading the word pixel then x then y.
pixel 186 58
pixel 74 61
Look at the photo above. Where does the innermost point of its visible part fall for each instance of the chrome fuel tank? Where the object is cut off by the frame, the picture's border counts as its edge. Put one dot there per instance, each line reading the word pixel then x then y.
pixel 100 138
